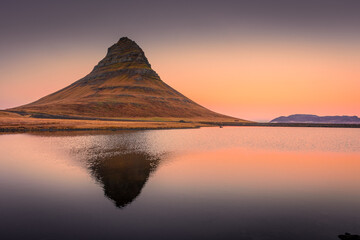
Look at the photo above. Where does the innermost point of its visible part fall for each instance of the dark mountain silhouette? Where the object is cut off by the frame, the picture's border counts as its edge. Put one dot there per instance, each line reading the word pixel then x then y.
pixel 122 85
pixel 123 176
pixel 307 118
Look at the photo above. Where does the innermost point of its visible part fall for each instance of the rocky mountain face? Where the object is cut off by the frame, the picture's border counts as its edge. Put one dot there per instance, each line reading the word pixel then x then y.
pixel 307 118
pixel 122 85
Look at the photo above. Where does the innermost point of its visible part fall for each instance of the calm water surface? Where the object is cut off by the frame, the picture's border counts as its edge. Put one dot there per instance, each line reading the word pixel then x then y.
pixel 210 183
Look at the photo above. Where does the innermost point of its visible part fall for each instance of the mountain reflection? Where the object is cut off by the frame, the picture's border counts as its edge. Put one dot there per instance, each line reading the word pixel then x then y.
pixel 123 176
pixel 121 162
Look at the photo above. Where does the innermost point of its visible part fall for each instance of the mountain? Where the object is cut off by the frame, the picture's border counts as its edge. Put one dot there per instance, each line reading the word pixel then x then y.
pixel 123 175
pixel 122 85
pixel 307 118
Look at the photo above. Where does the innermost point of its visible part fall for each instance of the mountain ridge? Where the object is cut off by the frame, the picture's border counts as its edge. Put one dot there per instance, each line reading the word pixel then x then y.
pixel 121 85
pixel 311 118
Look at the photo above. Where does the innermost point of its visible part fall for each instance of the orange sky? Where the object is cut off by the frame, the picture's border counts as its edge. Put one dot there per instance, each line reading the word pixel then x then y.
pixel 255 60
pixel 255 80
pixel 260 81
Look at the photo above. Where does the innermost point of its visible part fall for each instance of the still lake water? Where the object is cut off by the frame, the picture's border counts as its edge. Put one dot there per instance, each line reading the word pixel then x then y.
pixel 210 183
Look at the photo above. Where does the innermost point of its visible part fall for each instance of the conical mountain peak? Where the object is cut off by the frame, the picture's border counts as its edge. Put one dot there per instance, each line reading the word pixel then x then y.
pixel 125 54
pixel 124 45
pixel 125 40
pixel 121 85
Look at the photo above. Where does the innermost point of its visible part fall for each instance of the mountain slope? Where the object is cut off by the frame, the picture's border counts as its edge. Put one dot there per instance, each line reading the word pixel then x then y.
pixel 122 85
pixel 307 118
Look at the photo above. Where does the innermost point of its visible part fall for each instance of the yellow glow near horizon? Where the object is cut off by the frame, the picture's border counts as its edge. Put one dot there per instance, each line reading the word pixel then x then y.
pixel 250 80
pixel 257 81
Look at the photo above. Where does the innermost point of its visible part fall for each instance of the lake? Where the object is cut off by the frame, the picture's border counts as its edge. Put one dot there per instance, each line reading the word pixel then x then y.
pixel 211 183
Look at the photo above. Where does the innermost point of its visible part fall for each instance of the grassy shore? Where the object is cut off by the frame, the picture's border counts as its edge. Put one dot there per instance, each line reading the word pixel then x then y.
pixel 12 122
pixel 31 124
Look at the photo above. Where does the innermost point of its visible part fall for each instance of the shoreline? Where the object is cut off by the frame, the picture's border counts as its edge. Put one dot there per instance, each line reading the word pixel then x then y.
pixel 27 130
pixel 326 125
pixel 162 126
pixel 13 122
pixel 81 125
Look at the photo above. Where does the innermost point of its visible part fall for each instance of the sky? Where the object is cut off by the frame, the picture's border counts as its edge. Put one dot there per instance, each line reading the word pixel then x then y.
pixel 252 59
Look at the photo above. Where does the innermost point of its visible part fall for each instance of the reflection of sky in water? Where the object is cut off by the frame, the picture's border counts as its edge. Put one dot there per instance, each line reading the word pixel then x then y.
pixel 243 183
pixel 159 142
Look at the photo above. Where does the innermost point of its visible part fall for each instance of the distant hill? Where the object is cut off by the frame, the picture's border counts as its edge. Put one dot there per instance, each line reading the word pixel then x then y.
pixel 308 118
pixel 122 85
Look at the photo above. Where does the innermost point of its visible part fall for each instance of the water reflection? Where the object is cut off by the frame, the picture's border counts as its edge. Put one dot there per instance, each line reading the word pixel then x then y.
pixel 210 183
pixel 120 162
pixel 123 176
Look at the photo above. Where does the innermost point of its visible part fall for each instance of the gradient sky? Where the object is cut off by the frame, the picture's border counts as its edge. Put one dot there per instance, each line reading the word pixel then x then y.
pixel 253 59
